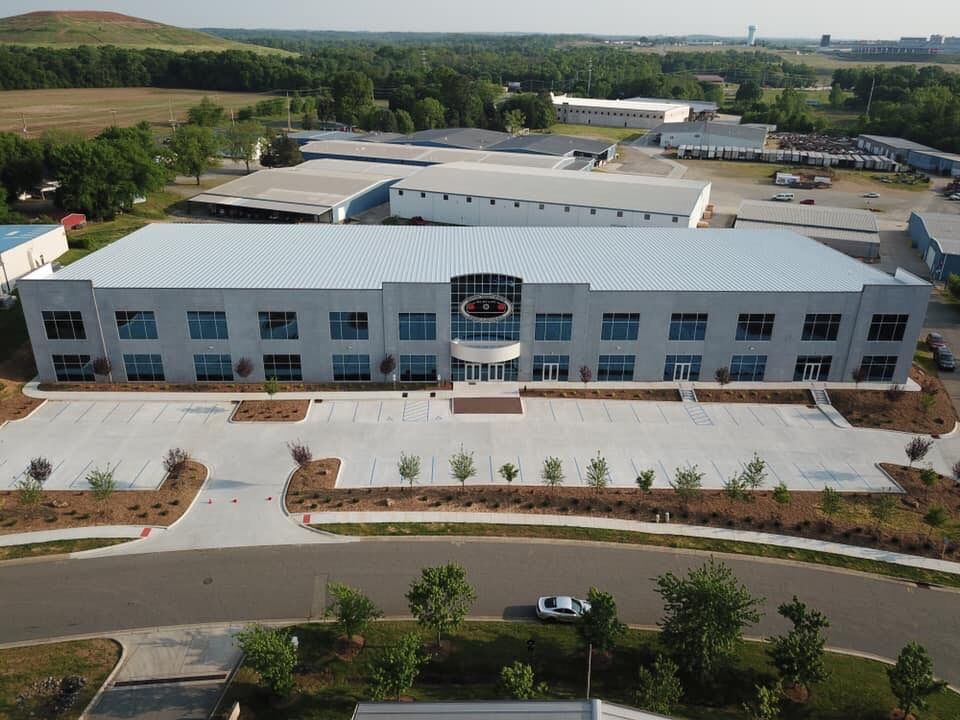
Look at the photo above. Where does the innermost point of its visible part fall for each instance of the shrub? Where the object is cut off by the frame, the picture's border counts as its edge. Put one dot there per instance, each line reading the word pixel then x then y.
pixel 29 491
pixel 517 682
pixel 917 449
pixel 830 501
pixel 722 376
pixel 408 468
pixel 927 401
pixel 244 367
pixel 894 393
pixel 387 365
pixel 781 494
pixel 351 609
pixel 858 375
pixel 175 460
pixel 462 466
pixel 101 482
pixel 102 366
pixel 300 453
pixel 509 472
pixel 271 386
pixel 659 689
pixel 586 374
pixel 270 653
pixel 552 471
pixel 645 479
pixel 39 470
pixel 598 472
pixel 754 473
pixel 929 476
pixel 394 671
pixel 736 488
pixel 687 483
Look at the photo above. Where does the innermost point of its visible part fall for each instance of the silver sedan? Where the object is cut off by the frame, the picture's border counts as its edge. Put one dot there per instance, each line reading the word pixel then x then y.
pixel 561 608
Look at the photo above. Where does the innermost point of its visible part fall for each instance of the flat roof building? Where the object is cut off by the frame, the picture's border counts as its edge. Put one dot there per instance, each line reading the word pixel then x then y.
pixel 23 248
pixel 328 191
pixel 937 237
pixel 535 143
pixel 618 113
pixel 852 232
pixel 892 147
pixel 501 710
pixel 183 303
pixel 382 152
pixel 477 194
pixel 705 132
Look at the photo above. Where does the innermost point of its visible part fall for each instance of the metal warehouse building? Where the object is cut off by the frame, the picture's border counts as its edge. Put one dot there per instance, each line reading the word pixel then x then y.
pixel 534 143
pixel 891 147
pixel 24 248
pixel 937 237
pixel 476 194
pixel 709 133
pixel 326 191
pixel 184 303
pixel 618 113
pixel 423 156
pixel 853 232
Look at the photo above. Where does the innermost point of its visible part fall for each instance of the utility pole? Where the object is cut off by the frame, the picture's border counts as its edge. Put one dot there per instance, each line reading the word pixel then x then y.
pixel 113 110
pixel 288 111
pixel 23 123
pixel 589 667
pixel 873 85
pixel 173 120
pixel 589 82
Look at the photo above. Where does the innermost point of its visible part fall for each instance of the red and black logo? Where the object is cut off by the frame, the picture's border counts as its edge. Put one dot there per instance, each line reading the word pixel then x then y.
pixel 486 307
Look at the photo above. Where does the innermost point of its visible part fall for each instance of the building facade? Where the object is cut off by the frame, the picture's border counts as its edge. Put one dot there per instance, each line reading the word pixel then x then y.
pixel 24 248
pixel 617 113
pixel 712 133
pixel 169 303
pixel 937 237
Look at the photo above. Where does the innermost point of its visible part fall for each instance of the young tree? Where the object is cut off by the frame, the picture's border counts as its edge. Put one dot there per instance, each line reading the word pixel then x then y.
pixel 781 493
pixel 514 121
pixel 882 511
pixel 244 367
pixel 242 141
pixel 552 471
pixel 509 472
pixel 206 114
pixel 586 374
pixel 722 376
pixel 754 473
pixel 704 616
pixel 917 449
pixel 912 680
pixel 30 486
pixel 269 653
pixel 836 96
pixel 194 150
pixel 736 487
pixel 271 386
pixel 798 655
pixel 408 468
pixel 517 682
pixel 39 470
pixel 600 626
pixel 351 609
pixel 101 482
pixel 300 453
pixel 462 466
pixel 765 705
pixel 935 517
pixel 175 461
pixel 645 479
pixel 387 366
pixel 598 472
pixel 441 598
pixel 395 670
pixel 927 401
pixel 859 375
pixel 830 501
pixel 687 483
pixel 658 690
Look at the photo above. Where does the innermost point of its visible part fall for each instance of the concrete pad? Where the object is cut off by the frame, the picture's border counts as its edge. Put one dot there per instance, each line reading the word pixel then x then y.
pixel 649 413
pixel 593 411
pixel 343 411
pixel 367 412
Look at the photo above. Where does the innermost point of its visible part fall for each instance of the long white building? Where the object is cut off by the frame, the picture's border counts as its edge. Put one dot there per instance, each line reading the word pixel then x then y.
pixel 477 194
pixel 618 113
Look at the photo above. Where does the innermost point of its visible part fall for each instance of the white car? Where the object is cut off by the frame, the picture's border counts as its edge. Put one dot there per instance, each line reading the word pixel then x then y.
pixel 561 608
pixel 871 195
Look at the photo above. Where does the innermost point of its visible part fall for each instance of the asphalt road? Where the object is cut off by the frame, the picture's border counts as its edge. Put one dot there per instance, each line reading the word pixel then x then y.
pixel 71 597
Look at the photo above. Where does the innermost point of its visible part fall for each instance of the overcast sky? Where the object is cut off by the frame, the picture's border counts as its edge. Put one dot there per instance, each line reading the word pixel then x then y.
pixel 842 18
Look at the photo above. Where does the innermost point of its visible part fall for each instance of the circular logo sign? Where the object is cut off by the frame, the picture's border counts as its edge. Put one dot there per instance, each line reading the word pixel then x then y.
pixel 486 308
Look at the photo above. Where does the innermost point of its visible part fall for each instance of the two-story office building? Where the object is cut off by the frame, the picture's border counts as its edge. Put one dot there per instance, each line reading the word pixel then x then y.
pixel 184 303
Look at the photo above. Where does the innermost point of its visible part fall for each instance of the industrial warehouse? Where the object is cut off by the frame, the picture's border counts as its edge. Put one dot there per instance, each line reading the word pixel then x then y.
pixel 380 152
pixel 853 232
pixel 937 237
pixel 475 194
pixel 618 113
pixel 185 303
pixel 705 132
pixel 26 247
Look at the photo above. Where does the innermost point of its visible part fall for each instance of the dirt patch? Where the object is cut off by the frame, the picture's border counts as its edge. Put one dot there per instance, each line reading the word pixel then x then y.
pixel 79 508
pixel 898 410
pixel 309 480
pixel 17 369
pixel 271 411
pixel 487 406
pixel 251 387
pixel 347 648
pixel 649 394
pixel 802 516
pixel 14 405
pixel 757 397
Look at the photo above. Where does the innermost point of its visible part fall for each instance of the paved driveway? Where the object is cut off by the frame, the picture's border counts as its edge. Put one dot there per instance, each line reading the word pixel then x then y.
pixel 249 463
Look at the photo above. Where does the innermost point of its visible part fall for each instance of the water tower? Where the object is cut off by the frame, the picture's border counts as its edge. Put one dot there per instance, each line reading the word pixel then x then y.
pixel 752 35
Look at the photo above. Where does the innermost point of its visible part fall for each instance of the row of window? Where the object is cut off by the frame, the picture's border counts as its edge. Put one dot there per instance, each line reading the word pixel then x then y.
pixel 540 206
pixel 423 368
pixel 274 325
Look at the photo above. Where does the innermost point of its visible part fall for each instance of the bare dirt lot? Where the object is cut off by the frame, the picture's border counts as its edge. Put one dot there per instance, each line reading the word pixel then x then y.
pixel 89 110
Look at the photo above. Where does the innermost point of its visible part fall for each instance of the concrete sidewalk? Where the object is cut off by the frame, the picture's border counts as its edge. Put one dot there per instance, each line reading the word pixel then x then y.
pixel 700 531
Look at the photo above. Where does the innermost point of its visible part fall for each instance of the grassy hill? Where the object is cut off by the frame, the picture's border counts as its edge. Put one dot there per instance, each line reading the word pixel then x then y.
pixel 73 28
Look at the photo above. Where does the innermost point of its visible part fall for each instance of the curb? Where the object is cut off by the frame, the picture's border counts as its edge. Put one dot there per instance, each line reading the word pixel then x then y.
pixel 106 683
pixel 889 477
pixel 300 523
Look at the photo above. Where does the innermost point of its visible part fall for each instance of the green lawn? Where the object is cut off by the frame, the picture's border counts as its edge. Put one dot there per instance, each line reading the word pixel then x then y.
pixel 329 687
pixel 596 131
pixel 639 538
pixel 21 668
pixel 56 547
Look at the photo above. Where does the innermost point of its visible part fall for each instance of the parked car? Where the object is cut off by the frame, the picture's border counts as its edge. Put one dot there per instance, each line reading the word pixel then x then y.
pixel 783 197
pixel 561 608
pixel 871 195
pixel 808 201
pixel 945 359
pixel 417 220
pixel 935 340
pixel 955 196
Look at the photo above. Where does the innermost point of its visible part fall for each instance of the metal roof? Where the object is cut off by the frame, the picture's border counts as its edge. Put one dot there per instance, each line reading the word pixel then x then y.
pixel 323 135
pixel 13 235
pixel 501 710
pixel 382 151
pixel 312 187
pixel 553 144
pixel 817 233
pixel 895 142
pixel 364 257
pixel 616 191
pixel 695 105
pixel 954 157
pixel 464 138
pixel 707 128
pixel 641 106
pixel 944 228
pixel 808 216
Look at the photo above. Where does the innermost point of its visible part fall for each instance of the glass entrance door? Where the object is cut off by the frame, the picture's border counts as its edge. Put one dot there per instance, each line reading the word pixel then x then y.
pixel 681 371
pixel 811 371
pixel 472 372
pixel 551 372
pixel 495 372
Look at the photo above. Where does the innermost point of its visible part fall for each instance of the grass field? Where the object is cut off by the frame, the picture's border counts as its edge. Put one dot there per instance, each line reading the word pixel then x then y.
pixel 89 110
pixel 21 668
pixel 56 547
pixel 329 687
pixel 601 133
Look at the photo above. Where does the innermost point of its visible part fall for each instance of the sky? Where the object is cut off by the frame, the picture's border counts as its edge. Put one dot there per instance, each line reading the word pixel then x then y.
pixel 852 19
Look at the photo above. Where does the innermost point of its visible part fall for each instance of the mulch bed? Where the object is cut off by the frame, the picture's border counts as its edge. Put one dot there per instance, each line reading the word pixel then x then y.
pixel 78 508
pixel 487 406
pixel 311 478
pixel 898 410
pixel 15 405
pixel 757 397
pixel 271 411
pixel 235 387
pixel 649 394
pixel 801 517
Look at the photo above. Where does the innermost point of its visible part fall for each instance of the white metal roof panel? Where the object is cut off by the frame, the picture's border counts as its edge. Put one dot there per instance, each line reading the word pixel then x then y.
pixel 501 710
pixel 804 216
pixel 638 105
pixel 364 257
pixel 944 228
pixel 823 233
pixel 618 191
pixel 420 154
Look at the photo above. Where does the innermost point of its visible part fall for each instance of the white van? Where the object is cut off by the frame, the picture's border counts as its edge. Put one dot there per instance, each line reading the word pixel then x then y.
pixel 783 197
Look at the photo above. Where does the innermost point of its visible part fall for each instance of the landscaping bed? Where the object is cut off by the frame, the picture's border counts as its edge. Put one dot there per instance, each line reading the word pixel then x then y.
pixel 803 516
pixel 898 410
pixel 238 387
pixel 328 686
pixel 14 405
pixel 271 411
pixel 79 508
pixel 315 476
pixel 648 394
pixel 56 547
pixel 758 397
pixel 54 681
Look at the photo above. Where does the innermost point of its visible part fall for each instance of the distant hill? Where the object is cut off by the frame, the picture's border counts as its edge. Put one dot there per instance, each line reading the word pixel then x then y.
pixel 70 28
